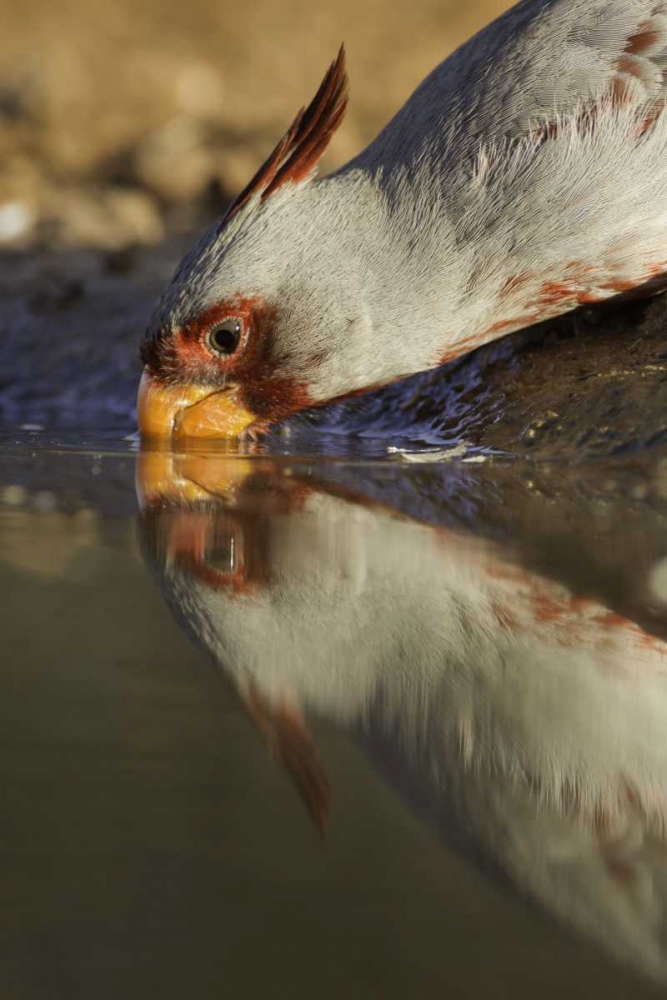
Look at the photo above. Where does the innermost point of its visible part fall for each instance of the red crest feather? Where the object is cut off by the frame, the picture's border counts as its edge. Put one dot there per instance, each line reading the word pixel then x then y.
pixel 300 149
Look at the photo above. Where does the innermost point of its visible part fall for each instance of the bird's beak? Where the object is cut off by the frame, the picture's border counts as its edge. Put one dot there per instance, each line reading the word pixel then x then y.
pixel 189 477
pixel 189 411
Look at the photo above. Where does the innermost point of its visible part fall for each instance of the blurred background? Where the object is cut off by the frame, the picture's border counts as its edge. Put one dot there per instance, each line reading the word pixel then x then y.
pixel 123 120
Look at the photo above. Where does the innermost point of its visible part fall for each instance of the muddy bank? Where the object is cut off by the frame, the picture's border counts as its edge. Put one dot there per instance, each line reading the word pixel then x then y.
pixel 590 384
pixel 69 331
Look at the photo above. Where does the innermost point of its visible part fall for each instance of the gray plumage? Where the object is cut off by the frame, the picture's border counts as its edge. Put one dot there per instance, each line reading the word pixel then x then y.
pixel 525 176
pixel 509 707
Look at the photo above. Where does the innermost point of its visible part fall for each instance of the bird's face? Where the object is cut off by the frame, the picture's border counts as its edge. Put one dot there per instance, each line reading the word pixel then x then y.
pixel 245 330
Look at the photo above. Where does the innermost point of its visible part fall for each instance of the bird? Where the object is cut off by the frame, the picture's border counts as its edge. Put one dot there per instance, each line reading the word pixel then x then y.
pixel 526 176
pixel 521 714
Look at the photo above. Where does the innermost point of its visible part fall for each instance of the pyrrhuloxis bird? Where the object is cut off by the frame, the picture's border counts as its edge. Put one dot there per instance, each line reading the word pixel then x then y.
pixel 507 707
pixel 525 176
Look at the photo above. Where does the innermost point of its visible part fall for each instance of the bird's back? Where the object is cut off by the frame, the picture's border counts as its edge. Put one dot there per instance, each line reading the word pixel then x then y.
pixel 531 166
pixel 540 61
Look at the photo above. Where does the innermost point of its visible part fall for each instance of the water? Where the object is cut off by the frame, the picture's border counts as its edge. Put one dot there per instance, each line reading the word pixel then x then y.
pixel 345 727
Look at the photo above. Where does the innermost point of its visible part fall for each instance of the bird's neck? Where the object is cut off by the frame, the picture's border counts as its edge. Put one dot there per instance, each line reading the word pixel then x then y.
pixel 431 289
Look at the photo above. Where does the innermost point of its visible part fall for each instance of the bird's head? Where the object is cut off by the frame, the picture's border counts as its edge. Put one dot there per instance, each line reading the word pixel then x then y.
pixel 242 331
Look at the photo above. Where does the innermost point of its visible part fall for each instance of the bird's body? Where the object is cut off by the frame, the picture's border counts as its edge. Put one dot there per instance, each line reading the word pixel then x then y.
pixel 527 175
pixel 504 704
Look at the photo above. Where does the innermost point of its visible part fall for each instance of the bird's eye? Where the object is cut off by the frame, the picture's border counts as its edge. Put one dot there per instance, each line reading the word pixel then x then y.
pixel 225 337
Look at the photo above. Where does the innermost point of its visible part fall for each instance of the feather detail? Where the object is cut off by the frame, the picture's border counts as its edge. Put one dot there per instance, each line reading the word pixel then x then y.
pixel 289 741
pixel 299 151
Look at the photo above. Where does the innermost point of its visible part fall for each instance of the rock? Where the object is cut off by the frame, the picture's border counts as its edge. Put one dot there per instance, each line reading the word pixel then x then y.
pixel 111 218
pixel 200 91
pixel 174 161
pixel 17 221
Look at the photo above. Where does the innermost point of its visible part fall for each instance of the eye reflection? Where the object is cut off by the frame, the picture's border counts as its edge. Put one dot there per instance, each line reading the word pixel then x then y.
pixel 223 555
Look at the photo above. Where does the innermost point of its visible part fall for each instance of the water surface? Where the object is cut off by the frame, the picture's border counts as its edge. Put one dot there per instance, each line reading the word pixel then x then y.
pixel 338 727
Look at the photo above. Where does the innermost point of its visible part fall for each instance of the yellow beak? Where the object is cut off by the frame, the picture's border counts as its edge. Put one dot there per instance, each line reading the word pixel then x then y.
pixel 189 477
pixel 189 411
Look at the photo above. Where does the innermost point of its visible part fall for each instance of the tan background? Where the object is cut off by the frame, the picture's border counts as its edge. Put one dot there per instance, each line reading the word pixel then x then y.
pixel 115 112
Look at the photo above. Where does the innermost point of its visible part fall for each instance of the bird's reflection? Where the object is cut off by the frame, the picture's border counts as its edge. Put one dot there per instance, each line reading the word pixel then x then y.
pixel 522 715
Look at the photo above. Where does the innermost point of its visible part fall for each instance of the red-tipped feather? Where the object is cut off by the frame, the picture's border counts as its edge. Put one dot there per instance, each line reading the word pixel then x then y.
pixel 300 149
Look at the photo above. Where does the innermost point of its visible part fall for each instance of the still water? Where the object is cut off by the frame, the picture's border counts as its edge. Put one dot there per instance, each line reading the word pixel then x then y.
pixel 282 726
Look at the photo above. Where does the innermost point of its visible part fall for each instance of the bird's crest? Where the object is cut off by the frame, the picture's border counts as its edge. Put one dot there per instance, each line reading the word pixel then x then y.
pixel 299 151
